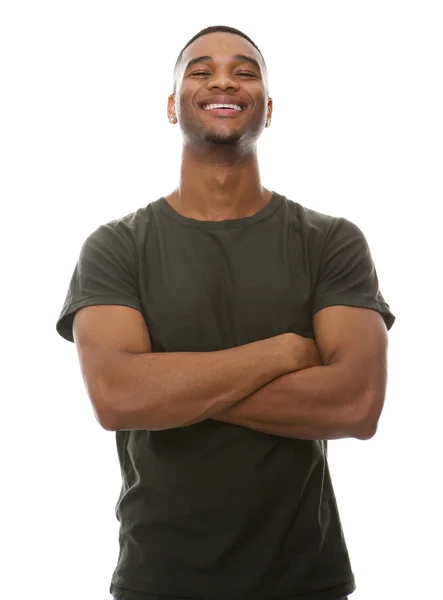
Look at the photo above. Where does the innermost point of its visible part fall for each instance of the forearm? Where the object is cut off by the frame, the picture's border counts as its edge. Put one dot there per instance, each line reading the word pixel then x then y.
pixel 316 403
pixel 158 391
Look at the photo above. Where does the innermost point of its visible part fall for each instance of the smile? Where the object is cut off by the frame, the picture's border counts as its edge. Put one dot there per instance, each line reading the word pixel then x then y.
pixel 235 107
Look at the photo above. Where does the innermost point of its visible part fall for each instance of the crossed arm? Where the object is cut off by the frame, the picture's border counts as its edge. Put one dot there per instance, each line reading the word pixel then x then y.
pixel 341 398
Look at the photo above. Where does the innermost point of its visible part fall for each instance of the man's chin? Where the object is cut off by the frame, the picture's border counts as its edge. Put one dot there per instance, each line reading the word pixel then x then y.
pixel 222 138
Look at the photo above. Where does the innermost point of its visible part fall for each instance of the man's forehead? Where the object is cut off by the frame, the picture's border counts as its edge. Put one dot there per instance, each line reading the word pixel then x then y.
pixel 220 46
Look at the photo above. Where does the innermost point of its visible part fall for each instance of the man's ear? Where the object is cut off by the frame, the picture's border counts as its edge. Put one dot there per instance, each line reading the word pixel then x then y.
pixel 269 115
pixel 172 117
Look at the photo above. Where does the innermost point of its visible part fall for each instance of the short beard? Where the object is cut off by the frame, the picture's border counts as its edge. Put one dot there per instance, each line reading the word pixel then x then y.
pixel 219 138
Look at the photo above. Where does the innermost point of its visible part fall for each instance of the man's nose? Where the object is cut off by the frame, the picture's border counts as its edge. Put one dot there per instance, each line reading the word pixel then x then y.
pixel 223 82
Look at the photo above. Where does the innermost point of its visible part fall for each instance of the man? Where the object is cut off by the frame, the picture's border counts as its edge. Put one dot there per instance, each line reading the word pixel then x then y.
pixel 225 333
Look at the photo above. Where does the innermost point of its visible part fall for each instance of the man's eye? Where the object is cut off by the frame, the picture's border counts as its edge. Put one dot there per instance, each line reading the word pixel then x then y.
pixel 243 73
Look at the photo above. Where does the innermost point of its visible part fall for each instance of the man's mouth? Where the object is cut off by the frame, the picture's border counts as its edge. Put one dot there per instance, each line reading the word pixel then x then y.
pixel 223 109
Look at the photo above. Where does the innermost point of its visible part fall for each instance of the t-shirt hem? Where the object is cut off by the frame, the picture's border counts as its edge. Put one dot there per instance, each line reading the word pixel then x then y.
pixel 65 330
pixel 332 592
pixel 358 302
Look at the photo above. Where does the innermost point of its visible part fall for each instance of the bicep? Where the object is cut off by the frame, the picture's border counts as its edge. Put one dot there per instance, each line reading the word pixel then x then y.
pixel 102 335
pixel 355 339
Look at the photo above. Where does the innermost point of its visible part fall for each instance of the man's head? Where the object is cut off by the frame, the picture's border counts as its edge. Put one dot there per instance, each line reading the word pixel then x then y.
pixel 220 65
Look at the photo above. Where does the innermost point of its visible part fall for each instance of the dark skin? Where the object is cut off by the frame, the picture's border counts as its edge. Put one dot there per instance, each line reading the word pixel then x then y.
pixel 220 177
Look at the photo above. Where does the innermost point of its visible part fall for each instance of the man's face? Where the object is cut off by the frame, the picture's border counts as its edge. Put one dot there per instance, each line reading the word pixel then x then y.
pixel 215 70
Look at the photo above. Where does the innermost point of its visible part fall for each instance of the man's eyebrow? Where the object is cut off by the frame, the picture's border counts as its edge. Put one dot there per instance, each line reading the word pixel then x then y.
pixel 194 61
pixel 241 57
pixel 245 58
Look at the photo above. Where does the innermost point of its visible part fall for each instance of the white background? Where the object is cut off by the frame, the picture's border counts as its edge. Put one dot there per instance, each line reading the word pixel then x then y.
pixel 357 131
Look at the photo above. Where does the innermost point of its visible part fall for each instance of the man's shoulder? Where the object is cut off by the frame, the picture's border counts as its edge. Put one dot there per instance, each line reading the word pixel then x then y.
pixel 136 218
pixel 130 228
pixel 309 218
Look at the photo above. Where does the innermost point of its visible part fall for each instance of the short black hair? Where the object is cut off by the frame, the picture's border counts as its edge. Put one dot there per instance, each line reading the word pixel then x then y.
pixel 216 29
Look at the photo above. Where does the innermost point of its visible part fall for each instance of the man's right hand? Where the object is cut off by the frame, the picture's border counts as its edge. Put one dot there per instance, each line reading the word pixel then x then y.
pixel 305 352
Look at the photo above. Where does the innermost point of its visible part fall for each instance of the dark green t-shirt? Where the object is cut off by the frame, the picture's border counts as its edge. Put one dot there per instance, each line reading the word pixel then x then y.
pixel 215 511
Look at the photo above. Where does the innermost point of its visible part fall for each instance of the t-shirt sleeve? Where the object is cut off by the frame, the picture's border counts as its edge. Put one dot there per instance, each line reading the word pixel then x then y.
pixel 105 273
pixel 347 274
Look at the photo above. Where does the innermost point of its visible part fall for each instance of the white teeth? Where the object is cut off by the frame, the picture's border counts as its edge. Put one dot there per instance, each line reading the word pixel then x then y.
pixel 210 106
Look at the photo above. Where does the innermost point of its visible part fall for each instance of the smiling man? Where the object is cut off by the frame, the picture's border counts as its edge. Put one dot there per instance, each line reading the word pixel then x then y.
pixel 225 333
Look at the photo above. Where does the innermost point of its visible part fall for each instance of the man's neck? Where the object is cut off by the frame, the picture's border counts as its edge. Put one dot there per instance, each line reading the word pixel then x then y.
pixel 218 186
